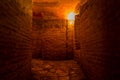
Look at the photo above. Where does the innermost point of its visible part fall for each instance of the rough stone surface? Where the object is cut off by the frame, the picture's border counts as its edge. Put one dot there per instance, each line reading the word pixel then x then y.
pixel 56 70
pixel 15 39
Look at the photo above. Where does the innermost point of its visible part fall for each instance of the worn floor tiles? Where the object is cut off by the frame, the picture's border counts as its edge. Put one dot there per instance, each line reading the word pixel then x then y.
pixel 56 70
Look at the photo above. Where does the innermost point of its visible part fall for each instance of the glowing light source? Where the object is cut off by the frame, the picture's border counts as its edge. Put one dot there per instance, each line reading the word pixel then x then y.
pixel 71 22
pixel 71 16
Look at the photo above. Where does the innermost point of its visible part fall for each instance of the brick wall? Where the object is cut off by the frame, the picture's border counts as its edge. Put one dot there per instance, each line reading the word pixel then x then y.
pixel 99 29
pixel 15 39
pixel 50 39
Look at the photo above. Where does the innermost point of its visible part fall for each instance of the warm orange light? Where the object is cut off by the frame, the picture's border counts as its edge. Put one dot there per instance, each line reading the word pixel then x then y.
pixel 71 16
pixel 71 22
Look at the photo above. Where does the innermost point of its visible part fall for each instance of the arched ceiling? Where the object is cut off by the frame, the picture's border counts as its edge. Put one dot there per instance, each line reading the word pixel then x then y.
pixel 60 8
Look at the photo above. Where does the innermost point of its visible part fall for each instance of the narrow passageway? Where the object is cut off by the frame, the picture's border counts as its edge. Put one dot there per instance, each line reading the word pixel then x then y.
pixel 59 39
pixel 53 41
pixel 56 70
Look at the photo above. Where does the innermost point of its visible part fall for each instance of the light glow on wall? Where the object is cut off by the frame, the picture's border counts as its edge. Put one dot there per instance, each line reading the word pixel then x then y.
pixel 71 22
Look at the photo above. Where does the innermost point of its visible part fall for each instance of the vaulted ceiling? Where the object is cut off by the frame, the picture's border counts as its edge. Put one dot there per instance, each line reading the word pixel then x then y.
pixel 59 8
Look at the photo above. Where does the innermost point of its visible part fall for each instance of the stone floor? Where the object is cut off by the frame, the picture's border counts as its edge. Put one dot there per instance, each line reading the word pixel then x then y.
pixel 56 70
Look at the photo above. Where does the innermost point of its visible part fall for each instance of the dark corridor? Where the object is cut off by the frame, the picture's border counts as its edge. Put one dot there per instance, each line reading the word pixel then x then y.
pixel 72 40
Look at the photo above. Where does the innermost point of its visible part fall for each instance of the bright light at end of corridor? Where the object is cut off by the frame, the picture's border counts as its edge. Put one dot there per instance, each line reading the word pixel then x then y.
pixel 71 22
pixel 71 16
